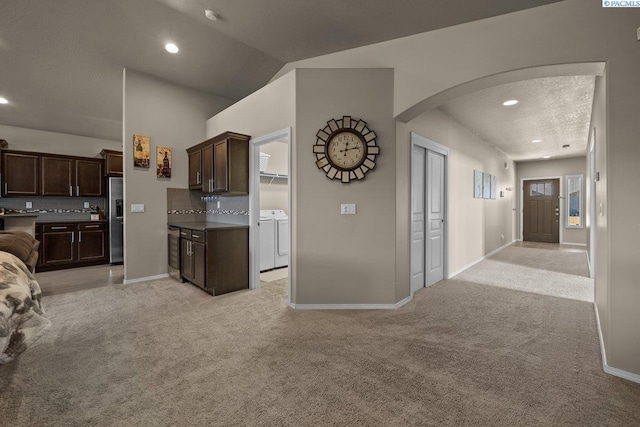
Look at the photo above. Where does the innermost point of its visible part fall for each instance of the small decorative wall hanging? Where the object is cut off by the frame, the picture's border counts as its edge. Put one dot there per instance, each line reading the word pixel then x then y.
pixel 163 161
pixel 346 149
pixel 140 151
pixel 494 187
pixel 486 186
pixel 477 184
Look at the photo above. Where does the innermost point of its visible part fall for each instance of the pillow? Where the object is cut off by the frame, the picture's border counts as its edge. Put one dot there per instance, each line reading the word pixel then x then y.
pixel 19 243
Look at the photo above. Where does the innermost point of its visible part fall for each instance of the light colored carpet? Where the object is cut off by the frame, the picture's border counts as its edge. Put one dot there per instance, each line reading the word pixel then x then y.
pixel 167 354
pixel 545 269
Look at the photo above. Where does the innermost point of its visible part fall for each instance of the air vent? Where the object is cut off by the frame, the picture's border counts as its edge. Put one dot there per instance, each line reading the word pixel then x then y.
pixel 565 146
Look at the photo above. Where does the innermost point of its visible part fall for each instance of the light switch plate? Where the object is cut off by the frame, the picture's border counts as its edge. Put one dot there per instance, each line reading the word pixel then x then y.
pixel 29 205
pixel 86 205
pixel 137 208
pixel 348 209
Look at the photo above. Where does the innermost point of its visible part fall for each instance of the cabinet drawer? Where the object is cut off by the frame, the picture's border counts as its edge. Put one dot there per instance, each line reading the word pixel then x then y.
pixel 91 226
pixel 198 236
pixel 185 233
pixel 57 228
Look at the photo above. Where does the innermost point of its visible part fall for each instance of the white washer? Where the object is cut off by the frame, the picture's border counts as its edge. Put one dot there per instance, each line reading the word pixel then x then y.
pixel 280 237
pixel 267 242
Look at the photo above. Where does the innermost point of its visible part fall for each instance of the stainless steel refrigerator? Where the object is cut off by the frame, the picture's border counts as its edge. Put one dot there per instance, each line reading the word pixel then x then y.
pixel 116 218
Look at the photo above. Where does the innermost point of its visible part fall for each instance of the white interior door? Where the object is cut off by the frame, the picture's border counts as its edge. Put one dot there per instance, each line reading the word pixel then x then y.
pixel 418 179
pixel 435 218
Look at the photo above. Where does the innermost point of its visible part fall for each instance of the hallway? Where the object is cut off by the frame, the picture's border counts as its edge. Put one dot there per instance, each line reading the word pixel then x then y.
pixel 539 268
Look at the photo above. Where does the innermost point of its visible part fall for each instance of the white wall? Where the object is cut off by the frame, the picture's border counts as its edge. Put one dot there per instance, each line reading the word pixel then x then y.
pixel 58 143
pixel 172 116
pixel 571 31
pixel 345 259
pixel 549 168
pixel 274 192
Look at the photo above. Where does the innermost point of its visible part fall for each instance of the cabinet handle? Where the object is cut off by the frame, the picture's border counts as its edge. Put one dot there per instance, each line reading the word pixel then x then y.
pixel 189 249
pixel 73 237
pixel 91 226
pixel 77 190
pixel 71 190
pixel 58 228
pixel 195 235
pixel 6 189
pixel 197 177
pixel 79 236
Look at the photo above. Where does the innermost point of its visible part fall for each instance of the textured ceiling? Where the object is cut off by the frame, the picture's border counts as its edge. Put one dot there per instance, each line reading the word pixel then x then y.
pixel 61 61
pixel 556 110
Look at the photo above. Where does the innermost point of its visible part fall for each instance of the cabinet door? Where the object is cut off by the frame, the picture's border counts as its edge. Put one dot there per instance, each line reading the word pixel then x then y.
pixel 207 169
pixel 113 164
pixel 58 176
pixel 38 237
pixel 92 242
pixel 221 166
pixel 186 263
pixel 21 172
pixel 195 170
pixel 58 244
pixel 199 264
pixel 89 178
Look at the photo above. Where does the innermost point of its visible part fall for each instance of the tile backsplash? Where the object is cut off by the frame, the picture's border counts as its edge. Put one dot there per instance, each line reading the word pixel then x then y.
pixel 53 208
pixel 189 205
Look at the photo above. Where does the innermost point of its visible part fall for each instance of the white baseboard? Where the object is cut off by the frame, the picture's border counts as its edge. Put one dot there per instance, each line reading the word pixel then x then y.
pixel 145 279
pixel 574 244
pixel 609 369
pixel 480 259
pixel 351 306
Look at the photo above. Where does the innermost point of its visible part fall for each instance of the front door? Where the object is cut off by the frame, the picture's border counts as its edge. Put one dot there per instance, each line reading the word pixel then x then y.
pixel 541 211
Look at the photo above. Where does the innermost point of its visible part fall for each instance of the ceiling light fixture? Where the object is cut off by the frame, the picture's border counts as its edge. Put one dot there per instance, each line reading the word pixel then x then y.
pixel 211 15
pixel 510 102
pixel 171 48
pixel 3 100
pixel 546 157
pixel 535 141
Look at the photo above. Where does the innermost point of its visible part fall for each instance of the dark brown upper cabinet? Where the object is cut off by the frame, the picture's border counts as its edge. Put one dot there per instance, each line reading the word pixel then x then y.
pixel 112 162
pixel 195 170
pixel 223 166
pixel 21 173
pixel 66 176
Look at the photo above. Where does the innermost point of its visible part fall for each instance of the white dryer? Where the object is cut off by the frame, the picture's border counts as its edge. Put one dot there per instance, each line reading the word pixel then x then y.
pixel 279 239
pixel 267 242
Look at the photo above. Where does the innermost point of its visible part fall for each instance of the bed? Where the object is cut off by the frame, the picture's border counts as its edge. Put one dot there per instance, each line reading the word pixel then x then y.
pixel 22 317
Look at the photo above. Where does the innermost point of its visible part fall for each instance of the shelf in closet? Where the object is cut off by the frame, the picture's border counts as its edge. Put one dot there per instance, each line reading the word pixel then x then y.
pixel 273 176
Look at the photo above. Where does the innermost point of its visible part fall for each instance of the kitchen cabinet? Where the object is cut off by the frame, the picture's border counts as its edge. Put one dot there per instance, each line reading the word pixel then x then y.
pixel 193 252
pixel 112 162
pixel 67 176
pixel 195 170
pixel 223 166
pixel 215 258
pixel 21 172
pixel 71 244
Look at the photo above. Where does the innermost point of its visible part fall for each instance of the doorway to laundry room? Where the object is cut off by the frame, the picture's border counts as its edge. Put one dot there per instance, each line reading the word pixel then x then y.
pixel 270 210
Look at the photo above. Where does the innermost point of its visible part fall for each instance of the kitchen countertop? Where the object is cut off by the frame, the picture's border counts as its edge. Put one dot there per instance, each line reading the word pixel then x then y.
pixel 19 215
pixel 65 221
pixel 206 225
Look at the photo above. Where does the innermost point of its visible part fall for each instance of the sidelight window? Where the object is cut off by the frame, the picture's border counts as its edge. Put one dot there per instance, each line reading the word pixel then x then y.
pixel 574 201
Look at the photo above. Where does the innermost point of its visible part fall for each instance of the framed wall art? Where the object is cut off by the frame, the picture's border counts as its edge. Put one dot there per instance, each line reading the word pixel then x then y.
pixel 140 151
pixel 477 184
pixel 486 186
pixel 494 187
pixel 163 161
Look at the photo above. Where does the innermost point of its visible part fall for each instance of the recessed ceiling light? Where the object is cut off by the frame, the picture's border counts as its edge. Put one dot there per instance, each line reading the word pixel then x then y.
pixel 171 48
pixel 510 102
pixel 3 100
pixel 535 141
pixel 546 157
pixel 211 15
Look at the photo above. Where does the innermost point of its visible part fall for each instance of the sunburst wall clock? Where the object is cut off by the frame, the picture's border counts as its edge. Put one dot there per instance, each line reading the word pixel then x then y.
pixel 346 149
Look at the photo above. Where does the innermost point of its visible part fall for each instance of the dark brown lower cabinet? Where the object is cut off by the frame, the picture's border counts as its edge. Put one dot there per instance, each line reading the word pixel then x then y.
pixel 68 245
pixel 216 260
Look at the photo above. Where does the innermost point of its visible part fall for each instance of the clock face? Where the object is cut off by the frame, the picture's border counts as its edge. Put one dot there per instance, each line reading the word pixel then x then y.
pixel 346 150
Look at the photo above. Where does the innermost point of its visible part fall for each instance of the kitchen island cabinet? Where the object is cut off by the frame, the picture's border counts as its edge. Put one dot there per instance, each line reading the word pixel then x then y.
pixel 71 244
pixel 214 256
